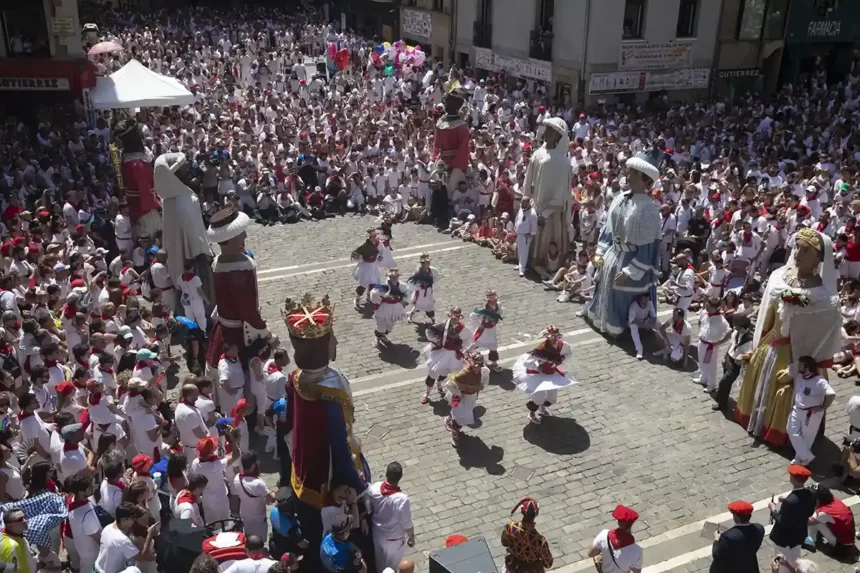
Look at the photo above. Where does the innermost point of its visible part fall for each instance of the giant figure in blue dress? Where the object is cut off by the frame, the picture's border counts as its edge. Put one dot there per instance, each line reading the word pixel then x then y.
pixel 628 249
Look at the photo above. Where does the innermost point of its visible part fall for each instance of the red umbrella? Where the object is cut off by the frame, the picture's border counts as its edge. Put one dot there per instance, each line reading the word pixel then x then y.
pixel 105 48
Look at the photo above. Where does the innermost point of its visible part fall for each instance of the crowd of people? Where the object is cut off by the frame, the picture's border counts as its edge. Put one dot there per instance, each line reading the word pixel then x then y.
pixel 741 212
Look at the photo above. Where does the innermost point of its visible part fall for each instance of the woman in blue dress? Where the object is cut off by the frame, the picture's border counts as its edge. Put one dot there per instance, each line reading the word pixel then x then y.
pixel 628 249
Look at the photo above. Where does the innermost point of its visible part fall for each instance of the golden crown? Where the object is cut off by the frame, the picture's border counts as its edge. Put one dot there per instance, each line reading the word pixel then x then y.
pixel 308 317
pixel 809 237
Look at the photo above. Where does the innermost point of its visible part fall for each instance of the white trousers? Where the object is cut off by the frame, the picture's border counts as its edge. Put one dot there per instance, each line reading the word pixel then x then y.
pixel 636 335
pixel 708 369
pixel 825 532
pixel 388 552
pixel 523 244
pixel 196 311
pixel 665 254
pixel 226 401
pixel 539 398
pixel 802 428
pixel 684 302
pixel 256 525
pixel 216 508
pixel 791 554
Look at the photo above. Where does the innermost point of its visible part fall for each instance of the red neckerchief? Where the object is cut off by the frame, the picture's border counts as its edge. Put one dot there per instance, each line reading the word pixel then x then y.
pixel 71 505
pixel 133 393
pixel 94 399
pixel 747 237
pixel 187 276
pixel 820 227
pixel 84 363
pixel 387 489
pixel 186 496
pixel 120 484
pixel 124 269
pixel 69 311
pixel 620 538
pixel 678 326
pixel 212 458
pixel 253 474
pixel 256 556
pixel 50 363
pixel 67 447
pixel 273 368
pixel 690 267
pixel 228 359
pixel 23 415
pixel 718 313
pixel 141 364
pixel 107 370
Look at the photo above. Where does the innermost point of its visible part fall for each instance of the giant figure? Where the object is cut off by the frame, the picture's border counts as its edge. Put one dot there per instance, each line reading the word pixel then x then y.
pixel 236 317
pixel 137 179
pixel 451 143
pixel 547 183
pixel 628 249
pixel 320 416
pixel 183 231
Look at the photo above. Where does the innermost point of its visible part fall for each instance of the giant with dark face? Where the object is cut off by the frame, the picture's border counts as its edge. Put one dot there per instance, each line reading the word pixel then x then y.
pixel 136 175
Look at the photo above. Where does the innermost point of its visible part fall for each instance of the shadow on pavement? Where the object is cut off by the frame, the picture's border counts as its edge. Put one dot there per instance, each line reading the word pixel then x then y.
pixel 474 453
pixel 401 355
pixel 560 436
pixel 479 412
pixel 503 379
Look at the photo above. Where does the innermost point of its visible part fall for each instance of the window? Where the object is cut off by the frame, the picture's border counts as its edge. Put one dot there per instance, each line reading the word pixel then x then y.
pixel 634 18
pixel 688 13
pixel 752 18
pixel 546 12
pixel 774 23
pixel 25 30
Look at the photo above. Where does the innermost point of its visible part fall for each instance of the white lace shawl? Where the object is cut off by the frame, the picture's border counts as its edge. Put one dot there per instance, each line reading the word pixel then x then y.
pixel 634 218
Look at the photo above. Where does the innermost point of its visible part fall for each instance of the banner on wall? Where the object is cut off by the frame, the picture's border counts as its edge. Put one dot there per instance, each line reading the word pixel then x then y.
pixel 648 81
pixel 529 69
pixel 416 23
pixel 656 55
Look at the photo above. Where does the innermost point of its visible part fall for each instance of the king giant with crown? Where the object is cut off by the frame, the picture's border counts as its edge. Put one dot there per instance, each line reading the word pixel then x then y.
pixel 451 142
pixel 320 414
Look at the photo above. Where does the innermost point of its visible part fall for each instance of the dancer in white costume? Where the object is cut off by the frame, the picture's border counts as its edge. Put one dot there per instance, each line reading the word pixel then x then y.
pixel 445 353
pixel 388 301
pixel 484 321
pixel 462 393
pixel 538 373
pixel 421 287
pixel 367 271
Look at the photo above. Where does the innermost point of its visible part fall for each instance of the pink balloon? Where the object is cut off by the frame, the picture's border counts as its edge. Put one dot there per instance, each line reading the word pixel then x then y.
pixel 418 58
pixel 417 47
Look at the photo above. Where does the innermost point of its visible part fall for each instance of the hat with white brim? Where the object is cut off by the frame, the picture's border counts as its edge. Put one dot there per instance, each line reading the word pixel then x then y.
pixel 645 163
pixel 227 224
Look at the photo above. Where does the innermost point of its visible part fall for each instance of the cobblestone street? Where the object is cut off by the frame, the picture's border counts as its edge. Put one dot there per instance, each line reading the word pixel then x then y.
pixel 630 432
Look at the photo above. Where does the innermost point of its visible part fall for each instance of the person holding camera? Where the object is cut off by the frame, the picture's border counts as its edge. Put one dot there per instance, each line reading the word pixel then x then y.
pixel 791 517
pixel 735 549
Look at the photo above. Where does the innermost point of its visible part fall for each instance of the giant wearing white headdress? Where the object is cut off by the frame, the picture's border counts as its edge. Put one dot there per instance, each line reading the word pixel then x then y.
pixel 547 183
pixel 628 249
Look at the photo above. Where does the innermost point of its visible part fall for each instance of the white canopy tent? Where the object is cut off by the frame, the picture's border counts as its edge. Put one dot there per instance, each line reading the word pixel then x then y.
pixel 135 85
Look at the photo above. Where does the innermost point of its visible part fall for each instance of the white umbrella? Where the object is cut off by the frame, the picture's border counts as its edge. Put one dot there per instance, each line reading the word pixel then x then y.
pixel 105 48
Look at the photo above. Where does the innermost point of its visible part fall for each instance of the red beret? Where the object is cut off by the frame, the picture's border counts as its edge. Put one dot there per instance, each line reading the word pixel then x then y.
pixel 455 539
pixel 141 463
pixel 17 241
pixel 741 507
pixel 32 249
pixel 78 283
pixel 541 109
pixel 799 472
pixel 79 229
pixel 626 514
pixel 65 388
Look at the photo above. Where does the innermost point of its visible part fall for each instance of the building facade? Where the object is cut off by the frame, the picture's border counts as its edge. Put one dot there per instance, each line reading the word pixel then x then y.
pixel 427 23
pixel 594 49
pixel 41 57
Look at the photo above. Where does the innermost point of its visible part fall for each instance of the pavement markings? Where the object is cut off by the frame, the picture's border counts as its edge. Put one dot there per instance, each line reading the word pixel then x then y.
pixel 689 556
pixel 508 354
pixel 322 269
pixel 335 261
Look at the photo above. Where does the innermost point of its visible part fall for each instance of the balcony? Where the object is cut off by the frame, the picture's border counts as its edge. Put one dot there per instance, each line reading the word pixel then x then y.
pixel 540 45
pixel 483 35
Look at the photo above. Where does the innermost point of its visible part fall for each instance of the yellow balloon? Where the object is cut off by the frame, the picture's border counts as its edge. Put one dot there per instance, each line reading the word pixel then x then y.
pixel 386 44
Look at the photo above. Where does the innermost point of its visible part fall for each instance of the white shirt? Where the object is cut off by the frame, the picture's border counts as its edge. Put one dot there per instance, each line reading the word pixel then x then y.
pixel 392 514
pixel 214 472
pixel 111 497
pixel 160 277
pixel 187 419
pixel 526 222
pixel 250 566
pixel 854 411
pixel 686 282
pixel 84 522
pixel 638 312
pixel 252 497
pixel 230 371
pixel 116 551
pixel 188 510
pixel 712 328
pixel 72 461
pixel 811 392
pixel 629 557
pixel 736 349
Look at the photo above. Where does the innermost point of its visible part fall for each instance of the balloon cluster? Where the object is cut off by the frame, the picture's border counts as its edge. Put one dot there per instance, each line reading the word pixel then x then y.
pixel 337 58
pixel 393 57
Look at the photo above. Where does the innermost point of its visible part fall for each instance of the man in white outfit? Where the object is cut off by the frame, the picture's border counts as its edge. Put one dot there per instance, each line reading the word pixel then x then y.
pixel 812 396
pixel 256 562
pixel 526 229
pixel 642 315
pixel 392 519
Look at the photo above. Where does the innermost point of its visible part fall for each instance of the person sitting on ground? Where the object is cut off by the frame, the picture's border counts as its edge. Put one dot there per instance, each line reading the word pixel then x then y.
pixel 831 527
